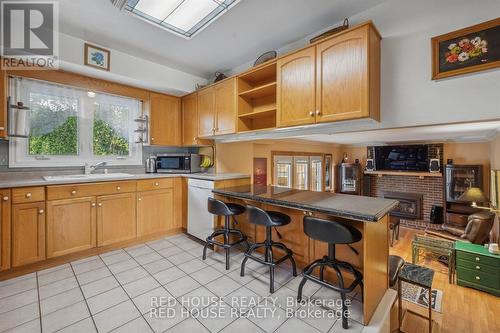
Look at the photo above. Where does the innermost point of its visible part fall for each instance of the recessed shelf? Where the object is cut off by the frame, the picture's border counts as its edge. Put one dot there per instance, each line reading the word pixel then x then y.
pixel 404 173
pixel 260 113
pixel 260 91
pixel 264 73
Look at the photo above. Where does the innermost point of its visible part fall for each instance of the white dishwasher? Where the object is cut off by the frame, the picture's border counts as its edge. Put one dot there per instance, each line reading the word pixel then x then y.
pixel 200 221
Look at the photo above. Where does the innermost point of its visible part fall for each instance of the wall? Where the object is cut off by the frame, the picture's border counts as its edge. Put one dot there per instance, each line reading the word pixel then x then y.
pixel 127 69
pixel 408 95
pixel 238 156
pixel 495 152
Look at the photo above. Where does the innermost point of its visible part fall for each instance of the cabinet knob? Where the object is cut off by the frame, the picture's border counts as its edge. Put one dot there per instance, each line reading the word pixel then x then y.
pixel 311 113
pixel 157 184
pixel 140 199
pixel 318 112
pixel 152 139
pixel 40 211
pixel 194 139
pixel 5 198
pixel 478 259
pixel 118 188
pixel 478 267
pixel 478 278
pixel 73 192
pixel 99 204
pixel 93 204
pixel 28 195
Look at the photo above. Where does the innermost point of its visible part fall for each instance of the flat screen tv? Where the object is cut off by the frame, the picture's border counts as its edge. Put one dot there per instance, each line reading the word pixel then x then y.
pixel 402 158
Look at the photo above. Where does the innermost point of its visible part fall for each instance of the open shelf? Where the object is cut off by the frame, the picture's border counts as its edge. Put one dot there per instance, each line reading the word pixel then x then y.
pixel 257 99
pixel 259 113
pixel 404 173
pixel 260 91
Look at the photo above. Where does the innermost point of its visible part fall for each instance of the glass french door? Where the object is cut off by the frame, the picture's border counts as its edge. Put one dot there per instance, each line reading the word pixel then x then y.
pixel 316 173
pixel 301 173
pixel 283 170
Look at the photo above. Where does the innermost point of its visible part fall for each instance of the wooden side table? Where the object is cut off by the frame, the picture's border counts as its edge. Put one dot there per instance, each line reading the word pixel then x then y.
pixel 420 276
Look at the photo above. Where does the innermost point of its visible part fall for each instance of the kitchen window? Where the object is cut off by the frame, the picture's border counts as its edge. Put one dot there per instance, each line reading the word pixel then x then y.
pixel 298 170
pixel 70 126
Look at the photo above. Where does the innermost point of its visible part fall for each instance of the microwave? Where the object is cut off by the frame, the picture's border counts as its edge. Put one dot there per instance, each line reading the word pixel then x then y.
pixel 178 163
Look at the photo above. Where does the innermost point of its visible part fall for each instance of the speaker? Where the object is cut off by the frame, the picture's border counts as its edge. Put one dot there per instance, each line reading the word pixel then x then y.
pixel 434 165
pixel 436 216
pixel 370 164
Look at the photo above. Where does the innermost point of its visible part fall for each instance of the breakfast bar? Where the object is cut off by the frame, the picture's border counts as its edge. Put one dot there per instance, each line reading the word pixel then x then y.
pixel 367 214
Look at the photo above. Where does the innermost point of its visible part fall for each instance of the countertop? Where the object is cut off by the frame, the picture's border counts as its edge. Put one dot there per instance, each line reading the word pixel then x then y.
pixel 366 209
pixel 15 179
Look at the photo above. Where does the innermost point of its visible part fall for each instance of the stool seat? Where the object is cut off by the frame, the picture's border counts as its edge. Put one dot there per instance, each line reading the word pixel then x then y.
pixel 221 208
pixel 278 219
pixel 395 264
pixel 235 208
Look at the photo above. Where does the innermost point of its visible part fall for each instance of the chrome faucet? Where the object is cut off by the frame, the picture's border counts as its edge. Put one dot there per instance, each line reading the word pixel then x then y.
pixel 91 168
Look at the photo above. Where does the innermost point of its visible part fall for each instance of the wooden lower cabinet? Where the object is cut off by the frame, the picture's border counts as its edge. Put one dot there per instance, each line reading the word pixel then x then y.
pixel 28 233
pixel 116 218
pixel 5 199
pixel 71 225
pixel 155 211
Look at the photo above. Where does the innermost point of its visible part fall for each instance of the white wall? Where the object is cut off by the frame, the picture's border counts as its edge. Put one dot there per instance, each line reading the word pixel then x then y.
pixel 409 96
pixel 127 69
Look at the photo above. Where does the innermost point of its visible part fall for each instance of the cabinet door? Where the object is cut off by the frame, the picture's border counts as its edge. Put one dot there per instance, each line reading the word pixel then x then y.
pixel 155 211
pixel 28 233
pixel 225 107
pixel 116 218
pixel 165 120
pixel 342 77
pixel 5 199
pixel 206 112
pixel 71 226
pixel 296 88
pixel 190 120
pixel 3 104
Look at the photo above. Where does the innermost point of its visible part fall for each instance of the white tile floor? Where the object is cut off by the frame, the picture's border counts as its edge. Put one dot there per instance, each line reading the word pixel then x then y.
pixel 113 292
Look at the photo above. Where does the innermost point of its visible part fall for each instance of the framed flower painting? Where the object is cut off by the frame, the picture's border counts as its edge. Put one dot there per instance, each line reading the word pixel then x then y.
pixel 97 57
pixel 468 50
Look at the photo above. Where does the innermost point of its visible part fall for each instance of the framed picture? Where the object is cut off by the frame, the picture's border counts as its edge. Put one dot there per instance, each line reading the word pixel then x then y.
pixel 260 171
pixel 97 57
pixel 467 50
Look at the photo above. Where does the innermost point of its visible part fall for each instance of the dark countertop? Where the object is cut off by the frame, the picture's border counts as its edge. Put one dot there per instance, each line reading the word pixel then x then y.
pixel 366 209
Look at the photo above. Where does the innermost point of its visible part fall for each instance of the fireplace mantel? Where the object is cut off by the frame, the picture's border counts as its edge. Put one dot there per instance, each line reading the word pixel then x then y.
pixel 404 173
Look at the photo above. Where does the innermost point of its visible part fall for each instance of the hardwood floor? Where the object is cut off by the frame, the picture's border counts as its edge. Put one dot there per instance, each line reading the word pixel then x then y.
pixel 463 309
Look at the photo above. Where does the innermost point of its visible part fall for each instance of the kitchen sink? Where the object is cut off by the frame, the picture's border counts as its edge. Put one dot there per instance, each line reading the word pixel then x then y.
pixel 91 176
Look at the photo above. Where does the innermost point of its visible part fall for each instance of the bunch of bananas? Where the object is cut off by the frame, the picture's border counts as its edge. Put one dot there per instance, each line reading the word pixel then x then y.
pixel 206 162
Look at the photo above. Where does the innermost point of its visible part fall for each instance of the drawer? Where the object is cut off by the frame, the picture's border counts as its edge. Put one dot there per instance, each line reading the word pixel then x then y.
pixel 479 267
pixel 28 194
pixel 457 219
pixel 155 184
pixel 477 258
pixel 480 278
pixel 87 190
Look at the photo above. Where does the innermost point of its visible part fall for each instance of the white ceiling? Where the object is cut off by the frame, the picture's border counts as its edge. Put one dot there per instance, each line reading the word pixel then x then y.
pixel 465 132
pixel 240 36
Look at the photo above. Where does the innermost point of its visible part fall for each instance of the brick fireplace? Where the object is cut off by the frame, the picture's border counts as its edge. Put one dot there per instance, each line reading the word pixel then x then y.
pixel 427 190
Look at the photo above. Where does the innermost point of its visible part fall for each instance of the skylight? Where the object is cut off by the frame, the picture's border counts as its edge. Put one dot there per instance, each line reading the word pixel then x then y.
pixel 182 17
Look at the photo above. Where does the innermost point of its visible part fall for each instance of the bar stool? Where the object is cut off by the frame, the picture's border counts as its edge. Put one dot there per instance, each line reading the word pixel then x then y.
pixel 228 210
pixel 269 219
pixel 333 233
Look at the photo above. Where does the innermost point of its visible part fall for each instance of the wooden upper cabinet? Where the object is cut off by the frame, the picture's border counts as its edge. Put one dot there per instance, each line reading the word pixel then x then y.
pixel 5 199
pixel 3 104
pixel 296 88
pixel 348 76
pixel 28 233
pixel 165 120
pixel 71 225
pixel 116 218
pixel 225 107
pixel 206 112
pixel 190 119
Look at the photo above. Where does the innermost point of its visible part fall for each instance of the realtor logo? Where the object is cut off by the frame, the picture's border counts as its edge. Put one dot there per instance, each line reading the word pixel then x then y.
pixel 29 34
